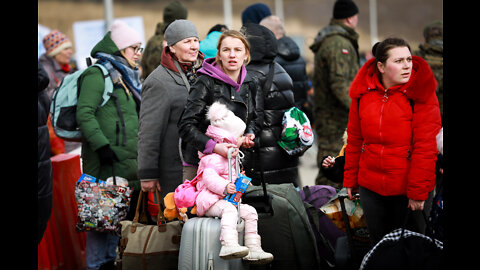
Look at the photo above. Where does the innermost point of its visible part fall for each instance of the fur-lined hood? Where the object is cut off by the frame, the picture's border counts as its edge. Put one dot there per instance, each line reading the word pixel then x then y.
pixel 420 86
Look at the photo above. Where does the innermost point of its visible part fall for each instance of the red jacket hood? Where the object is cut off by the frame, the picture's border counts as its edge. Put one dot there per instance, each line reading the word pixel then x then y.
pixel 420 86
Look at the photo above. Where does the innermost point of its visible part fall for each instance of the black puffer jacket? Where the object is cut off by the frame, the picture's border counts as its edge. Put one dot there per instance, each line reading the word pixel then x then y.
pixel 289 58
pixel 44 172
pixel 193 123
pixel 278 166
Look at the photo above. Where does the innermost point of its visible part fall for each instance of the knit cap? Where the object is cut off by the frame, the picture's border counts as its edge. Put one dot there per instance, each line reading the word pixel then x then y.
pixel 221 117
pixel 55 42
pixel 174 11
pixel 255 13
pixel 179 30
pixel 123 35
pixel 344 9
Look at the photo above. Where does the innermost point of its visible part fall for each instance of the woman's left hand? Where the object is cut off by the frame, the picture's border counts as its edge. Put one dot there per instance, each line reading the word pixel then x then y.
pixel 415 205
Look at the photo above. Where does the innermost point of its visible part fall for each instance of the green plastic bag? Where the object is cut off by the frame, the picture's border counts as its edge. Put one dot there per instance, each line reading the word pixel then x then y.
pixel 297 135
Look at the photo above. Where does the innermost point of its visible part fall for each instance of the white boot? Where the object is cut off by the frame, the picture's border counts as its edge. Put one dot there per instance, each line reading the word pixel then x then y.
pixel 256 255
pixel 231 249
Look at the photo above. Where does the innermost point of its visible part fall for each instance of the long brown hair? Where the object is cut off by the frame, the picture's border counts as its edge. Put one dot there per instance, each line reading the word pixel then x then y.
pixel 233 34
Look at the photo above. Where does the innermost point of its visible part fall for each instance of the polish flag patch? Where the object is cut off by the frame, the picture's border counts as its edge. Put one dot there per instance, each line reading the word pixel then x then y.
pixel 344 51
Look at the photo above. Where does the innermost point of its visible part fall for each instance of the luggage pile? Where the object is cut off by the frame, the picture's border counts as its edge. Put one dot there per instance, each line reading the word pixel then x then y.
pixel 317 227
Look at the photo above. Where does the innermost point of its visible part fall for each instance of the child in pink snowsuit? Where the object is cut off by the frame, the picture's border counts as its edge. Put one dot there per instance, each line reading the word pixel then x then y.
pixel 213 184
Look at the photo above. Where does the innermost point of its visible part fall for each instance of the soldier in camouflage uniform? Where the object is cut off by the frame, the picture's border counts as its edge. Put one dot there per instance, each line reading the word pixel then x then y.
pixel 432 52
pixel 153 50
pixel 336 64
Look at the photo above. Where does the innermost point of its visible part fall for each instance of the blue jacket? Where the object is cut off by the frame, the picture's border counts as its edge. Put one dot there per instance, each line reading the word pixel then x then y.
pixel 208 46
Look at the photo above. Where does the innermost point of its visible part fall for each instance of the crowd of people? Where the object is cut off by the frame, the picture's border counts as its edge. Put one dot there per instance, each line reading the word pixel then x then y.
pixel 386 110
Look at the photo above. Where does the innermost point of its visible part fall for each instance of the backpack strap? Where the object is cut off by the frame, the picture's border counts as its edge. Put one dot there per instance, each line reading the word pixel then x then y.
pixel 195 180
pixel 108 84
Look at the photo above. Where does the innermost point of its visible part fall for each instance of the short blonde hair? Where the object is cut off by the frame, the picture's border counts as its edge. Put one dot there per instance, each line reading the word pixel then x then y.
pixel 233 34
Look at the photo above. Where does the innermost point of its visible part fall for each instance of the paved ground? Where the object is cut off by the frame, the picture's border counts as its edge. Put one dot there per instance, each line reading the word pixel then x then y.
pixel 308 167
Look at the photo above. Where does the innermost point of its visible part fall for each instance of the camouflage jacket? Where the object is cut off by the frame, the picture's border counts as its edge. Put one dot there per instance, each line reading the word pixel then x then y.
pixel 336 64
pixel 153 51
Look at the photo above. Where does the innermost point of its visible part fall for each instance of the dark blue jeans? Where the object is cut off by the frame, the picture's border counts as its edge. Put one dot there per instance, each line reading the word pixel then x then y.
pixel 101 248
pixel 384 214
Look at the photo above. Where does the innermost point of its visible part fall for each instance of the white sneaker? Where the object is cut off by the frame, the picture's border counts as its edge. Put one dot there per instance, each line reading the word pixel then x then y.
pixel 233 252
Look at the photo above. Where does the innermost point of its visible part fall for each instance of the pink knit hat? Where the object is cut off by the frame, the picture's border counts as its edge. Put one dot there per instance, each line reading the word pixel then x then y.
pixel 221 117
pixel 124 35
pixel 54 42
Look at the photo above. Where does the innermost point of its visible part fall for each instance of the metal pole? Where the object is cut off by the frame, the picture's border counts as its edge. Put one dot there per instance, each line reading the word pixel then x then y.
pixel 108 8
pixel 373 22
pixel 279 9
pixel 227 13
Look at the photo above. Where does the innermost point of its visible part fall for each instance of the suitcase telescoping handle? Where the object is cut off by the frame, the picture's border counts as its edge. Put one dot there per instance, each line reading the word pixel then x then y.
pixel 240 223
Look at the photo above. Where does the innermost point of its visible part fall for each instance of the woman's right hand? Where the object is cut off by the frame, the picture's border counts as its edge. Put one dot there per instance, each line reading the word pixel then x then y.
pixel 150 185
pixel 350 192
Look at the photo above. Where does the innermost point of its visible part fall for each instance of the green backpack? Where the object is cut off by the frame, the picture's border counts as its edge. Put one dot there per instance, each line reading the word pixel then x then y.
pixel 63 108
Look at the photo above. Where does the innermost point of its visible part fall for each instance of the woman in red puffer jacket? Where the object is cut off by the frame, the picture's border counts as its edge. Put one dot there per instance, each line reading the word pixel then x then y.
pixel 391 148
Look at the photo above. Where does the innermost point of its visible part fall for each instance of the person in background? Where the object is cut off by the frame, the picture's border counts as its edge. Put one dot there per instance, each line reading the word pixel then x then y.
pixel 44 172
pixel 333 167
pixel 56 62
pixel 56 59
pixel 223 79
pixel 336 63
pixel 267 159
pixel 288 56
pixel 255 13
pixel 391 148
pixel 208 46
pixel 164 95
pixel 432 51
pixel 110 131
pixel 151 57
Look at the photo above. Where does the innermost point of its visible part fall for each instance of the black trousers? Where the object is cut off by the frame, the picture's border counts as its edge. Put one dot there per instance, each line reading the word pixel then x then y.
pixel 384 214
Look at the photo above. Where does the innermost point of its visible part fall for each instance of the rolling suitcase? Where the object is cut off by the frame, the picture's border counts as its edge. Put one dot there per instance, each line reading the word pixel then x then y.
pixel 200 244
pixel 283 226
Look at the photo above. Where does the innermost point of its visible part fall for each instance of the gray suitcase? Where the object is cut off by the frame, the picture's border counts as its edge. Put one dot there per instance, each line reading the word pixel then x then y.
pixel 200 245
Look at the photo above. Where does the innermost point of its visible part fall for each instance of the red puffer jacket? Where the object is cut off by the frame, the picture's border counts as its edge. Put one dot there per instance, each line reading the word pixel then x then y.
pixel 391 147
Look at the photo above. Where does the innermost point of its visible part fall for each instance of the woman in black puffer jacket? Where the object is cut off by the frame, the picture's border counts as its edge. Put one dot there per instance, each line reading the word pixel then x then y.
pixel 44 172
pixel 278 167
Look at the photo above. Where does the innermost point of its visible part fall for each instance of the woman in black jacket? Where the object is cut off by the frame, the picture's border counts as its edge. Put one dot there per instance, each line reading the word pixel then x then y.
pixel 224 79
pixel 271 103
pixel 44 172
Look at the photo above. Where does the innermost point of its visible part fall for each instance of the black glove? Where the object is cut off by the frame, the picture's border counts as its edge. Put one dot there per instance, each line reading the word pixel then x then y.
pixel 106 155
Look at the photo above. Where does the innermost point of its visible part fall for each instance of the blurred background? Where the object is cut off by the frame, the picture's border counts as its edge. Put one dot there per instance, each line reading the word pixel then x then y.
pixel 302 18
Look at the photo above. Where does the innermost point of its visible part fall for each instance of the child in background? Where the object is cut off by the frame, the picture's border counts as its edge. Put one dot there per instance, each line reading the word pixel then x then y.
pixel 213 184
pixel 332 167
